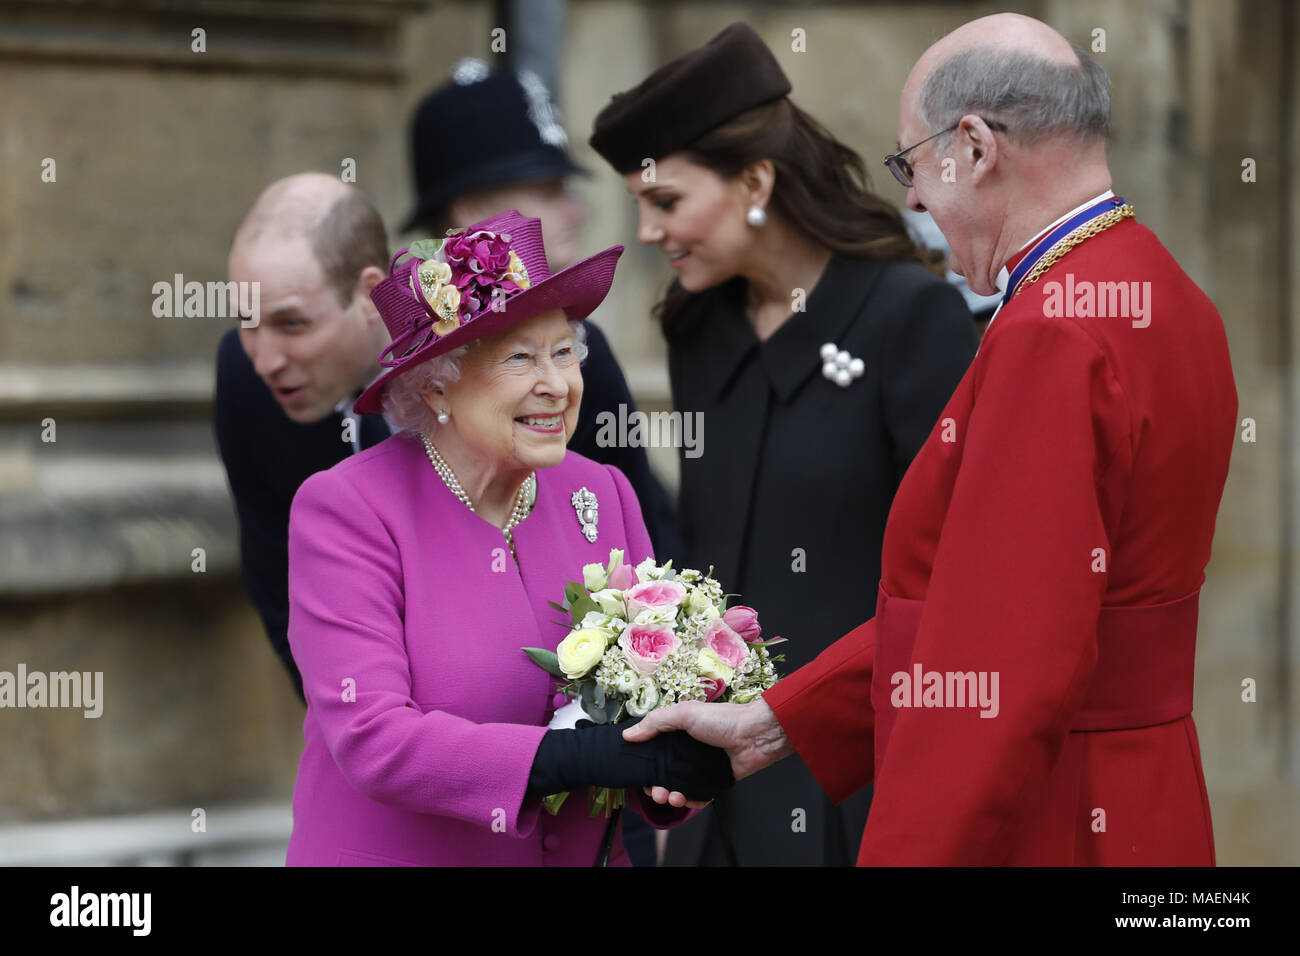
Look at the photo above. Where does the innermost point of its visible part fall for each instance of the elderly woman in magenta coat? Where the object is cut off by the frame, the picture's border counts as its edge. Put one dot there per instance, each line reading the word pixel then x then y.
pixel 419 568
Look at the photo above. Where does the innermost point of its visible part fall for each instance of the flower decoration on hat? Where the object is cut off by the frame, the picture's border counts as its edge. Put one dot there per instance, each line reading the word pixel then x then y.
pixel 455 279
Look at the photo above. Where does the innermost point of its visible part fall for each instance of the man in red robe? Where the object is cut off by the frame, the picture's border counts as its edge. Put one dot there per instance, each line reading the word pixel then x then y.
pixel 1024 692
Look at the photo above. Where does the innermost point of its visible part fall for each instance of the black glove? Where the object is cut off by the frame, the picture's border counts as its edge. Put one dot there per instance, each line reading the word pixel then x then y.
pixel 596 755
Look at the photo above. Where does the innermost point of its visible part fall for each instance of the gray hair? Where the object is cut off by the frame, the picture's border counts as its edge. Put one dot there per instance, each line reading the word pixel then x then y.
pixel 1035 97
pixel 406 408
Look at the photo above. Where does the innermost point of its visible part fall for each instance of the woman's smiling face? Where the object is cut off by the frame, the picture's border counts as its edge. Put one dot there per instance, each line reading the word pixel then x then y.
pixel 696 218
pixel 515 404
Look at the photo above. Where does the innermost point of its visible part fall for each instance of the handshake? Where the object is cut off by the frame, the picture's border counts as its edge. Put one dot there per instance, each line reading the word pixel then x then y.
pixel 683 755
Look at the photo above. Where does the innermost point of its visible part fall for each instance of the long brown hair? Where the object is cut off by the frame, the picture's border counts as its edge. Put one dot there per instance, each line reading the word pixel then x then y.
pixel 821 187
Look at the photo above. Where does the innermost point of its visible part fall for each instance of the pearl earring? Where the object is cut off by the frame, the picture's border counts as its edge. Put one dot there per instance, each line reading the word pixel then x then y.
pixel 443 417
pixel 756 216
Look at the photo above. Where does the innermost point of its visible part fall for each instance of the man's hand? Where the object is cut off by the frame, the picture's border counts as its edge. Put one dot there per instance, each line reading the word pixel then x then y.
pixel 749 733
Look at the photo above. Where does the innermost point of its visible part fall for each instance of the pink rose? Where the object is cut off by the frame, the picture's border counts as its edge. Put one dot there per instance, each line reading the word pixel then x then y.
pixel 713 689
pixel 646 647
pixel 655 595
pixel 726 643
pixel 744 621
pixel 622 578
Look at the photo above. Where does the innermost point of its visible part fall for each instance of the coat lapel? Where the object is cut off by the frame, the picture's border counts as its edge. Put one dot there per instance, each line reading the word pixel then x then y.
pixel 733 395
pixel 734 379
pixel 793 353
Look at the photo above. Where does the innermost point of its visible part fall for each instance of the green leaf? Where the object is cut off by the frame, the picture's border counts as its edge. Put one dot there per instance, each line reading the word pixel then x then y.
pixel 605 800
pixel 554 802
pixel 572 591
pixel 546 660
pixel 558 607
pixel 775 640
pixel 582 607
pixel 593 710
pixel 425 248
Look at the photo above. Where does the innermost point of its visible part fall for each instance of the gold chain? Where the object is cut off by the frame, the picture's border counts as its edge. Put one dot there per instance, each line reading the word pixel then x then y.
pixel 1089 229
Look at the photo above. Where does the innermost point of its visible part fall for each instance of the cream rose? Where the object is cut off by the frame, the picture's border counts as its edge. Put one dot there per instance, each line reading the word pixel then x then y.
pixel 711 665
pixel 698 602
pixel 580 652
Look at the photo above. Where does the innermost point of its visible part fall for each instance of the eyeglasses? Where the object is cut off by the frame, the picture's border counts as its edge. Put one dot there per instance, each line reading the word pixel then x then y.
pixel 902 169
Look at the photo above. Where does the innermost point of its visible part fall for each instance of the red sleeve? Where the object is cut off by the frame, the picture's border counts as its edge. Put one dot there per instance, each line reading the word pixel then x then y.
pixel 1013 595
pixel 825 710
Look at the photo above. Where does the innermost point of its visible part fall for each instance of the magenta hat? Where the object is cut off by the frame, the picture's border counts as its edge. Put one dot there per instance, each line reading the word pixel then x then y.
pixel 473 282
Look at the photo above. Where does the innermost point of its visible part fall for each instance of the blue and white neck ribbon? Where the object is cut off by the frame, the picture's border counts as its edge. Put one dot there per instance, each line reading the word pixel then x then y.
pixel 1044 245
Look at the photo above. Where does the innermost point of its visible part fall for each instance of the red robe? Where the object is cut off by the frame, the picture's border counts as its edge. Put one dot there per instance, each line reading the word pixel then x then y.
pixel 1053 531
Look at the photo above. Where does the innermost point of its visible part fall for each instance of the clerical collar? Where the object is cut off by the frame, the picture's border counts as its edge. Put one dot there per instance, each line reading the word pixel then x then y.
pixel 1004 274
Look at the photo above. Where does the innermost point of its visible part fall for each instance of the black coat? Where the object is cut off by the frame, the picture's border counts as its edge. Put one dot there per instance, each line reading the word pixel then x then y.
pixel 789 499
pixel 267 456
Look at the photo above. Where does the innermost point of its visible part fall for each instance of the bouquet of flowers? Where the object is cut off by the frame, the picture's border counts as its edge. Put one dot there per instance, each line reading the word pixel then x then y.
pixel 649 637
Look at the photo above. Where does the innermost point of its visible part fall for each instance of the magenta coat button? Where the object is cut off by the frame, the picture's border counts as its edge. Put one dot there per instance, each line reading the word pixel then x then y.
pixel 552 842
pixel 558 701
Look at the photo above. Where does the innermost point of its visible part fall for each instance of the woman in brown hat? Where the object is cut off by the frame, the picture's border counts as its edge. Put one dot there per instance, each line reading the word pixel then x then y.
pixel 809 333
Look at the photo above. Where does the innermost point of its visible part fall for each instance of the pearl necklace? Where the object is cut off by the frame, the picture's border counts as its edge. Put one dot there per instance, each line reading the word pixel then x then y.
pixel 524 498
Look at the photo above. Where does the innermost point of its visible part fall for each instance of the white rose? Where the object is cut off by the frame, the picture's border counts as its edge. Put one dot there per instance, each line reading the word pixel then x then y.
pixel 626 681
pixel 594 577
pixel 657 616
pixel 596 621
pixel 645 696
pixel 647 570
pixel 610 602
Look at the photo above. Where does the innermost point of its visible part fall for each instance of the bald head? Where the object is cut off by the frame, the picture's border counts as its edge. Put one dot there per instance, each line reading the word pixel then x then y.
pixel 336 221
pixel 1016 70
pixel 1004 31
pixel 291 207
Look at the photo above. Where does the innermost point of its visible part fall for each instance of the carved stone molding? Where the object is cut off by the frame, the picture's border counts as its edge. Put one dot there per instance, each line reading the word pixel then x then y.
pixel 353 39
